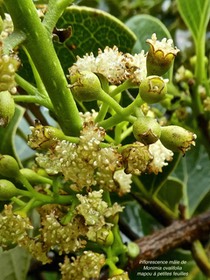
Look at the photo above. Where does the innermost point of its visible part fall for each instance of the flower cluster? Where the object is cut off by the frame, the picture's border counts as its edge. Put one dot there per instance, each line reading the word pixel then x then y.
pixel 95 212
pixel 139 158
pixel 114 65
pixel 83 267
pixel 8 66
pixel 118 67
pixel 13 227
pixel 86 164
pixel 7 27
pixel 63 238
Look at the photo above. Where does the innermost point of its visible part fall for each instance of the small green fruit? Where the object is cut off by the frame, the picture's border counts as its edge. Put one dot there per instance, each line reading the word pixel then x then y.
pixel 9 167
pixel 104 237
pixel 7 190
pixel 86 86
pixel 146 130
pixel 176 138
pixel 153 89
pixel 133 250
pixel 7 108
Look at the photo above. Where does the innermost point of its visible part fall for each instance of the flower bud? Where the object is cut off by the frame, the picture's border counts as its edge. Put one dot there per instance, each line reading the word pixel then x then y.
pixel 104 237
pixel 33 177
pixel 176 138
pixel 7 108
pixel 146 130
pixel 44 137
pixel 160 56
pixel 153 89
pixel 133 250
pixel 7 190
pixel 85 86
pixel 9 166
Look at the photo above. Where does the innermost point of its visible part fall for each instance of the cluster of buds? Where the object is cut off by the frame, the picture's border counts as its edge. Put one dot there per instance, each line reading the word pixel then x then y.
pixel 8 67
pixel 85 163
pixel 78 269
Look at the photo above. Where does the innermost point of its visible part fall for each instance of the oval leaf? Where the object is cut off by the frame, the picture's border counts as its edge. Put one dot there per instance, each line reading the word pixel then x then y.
pixel 144 26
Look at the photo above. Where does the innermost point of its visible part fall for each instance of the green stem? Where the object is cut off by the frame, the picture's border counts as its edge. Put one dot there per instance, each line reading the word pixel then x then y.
pixel 111 102
pixel 102 113
pixel 126 133
pixel 29 88
pixel 39 45
pixel 201 257
pixel 55 10
pixel 32 99
pixel 12 41
pixel 37 195
pixel 126 85
pixel 124 114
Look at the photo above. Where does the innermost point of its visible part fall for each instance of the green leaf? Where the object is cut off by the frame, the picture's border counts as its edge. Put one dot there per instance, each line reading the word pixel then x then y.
pixel 194 170
pixel 196 14
pixel 7 135
pixel 14 264
pixel 171 193
pixel 138 219
pixel 154 182
pixel 91 29
pixel 144 26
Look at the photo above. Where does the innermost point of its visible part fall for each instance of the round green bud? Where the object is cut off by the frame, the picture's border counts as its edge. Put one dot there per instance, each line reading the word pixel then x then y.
pixel 133 250
pixel 85 86
pixel 153 89
pixel 9 167
pixel 7 108
pixel 104 237
pixel 176 138
pixel 7 190
pixel 146 130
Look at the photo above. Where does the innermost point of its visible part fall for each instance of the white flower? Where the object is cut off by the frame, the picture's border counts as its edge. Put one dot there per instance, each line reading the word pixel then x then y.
pixel 160 157
pixel 114 65
pixel 165 45
pixel 123 180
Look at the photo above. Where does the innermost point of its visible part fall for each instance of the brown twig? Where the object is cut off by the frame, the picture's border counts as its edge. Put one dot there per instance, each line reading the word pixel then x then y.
pixel 179 233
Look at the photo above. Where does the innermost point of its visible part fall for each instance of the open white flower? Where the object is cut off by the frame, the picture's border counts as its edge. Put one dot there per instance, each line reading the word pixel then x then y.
pixel 161 156
pixel 114 65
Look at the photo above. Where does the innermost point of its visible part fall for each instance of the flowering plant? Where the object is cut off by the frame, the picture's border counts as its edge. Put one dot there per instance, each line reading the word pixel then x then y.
pixel 113 133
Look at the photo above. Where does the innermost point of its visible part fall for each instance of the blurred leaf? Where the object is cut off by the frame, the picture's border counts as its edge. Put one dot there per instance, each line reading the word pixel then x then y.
pixel 194 170
pixel 171 193
pixel 153 181
pixel 144 26
pixel 14 264
pixel 91 29
pixel 196 14
pixel 7 135
pixel 139 220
